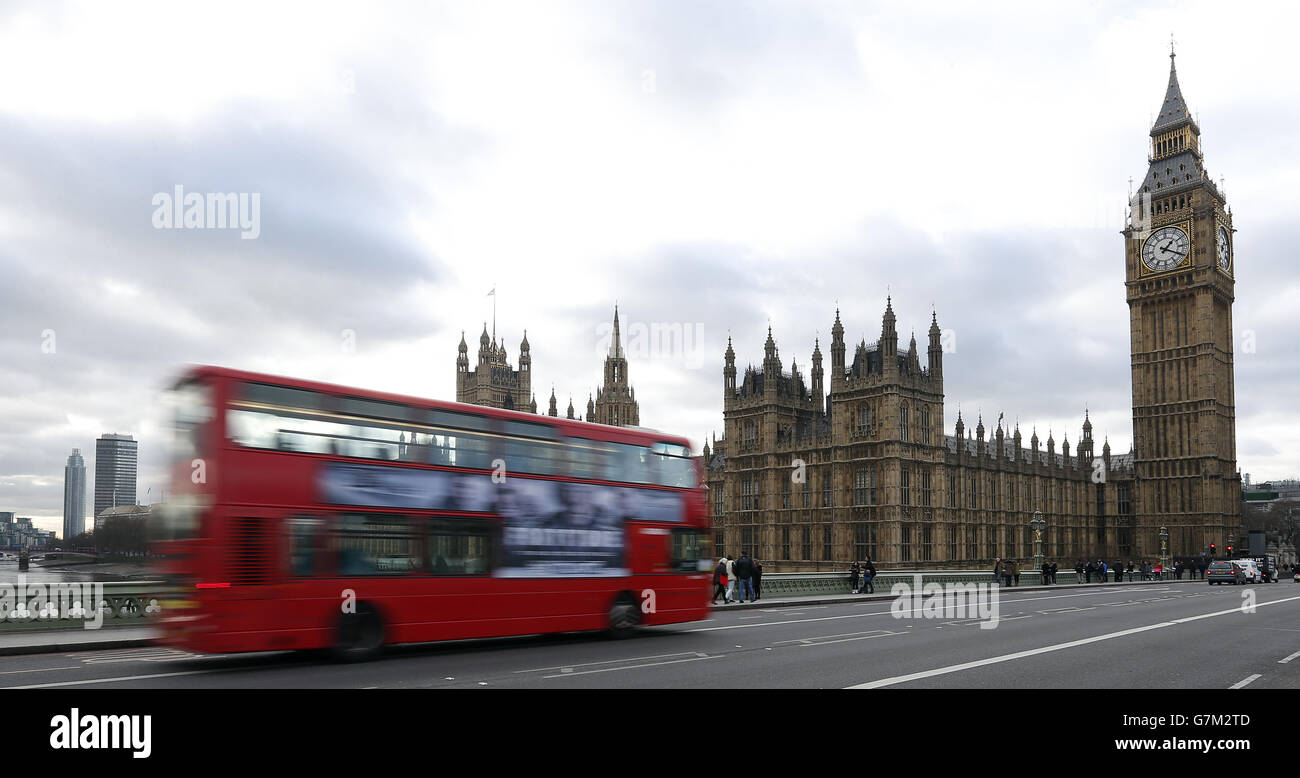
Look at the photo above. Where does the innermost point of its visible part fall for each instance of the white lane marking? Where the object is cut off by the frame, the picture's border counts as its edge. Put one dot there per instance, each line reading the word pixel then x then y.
pixel 1243 682
pixel 607 662
pixel 846 640
pixel 40 670
pixel 970 622
pixel 119 679
pixel 1288 659
pixel 1046 649
pixel 874 613
pixel 814 641
pixel 632 667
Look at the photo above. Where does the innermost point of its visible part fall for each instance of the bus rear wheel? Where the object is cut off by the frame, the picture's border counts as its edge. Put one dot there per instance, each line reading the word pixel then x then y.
pixel 360 635
pixel 624 617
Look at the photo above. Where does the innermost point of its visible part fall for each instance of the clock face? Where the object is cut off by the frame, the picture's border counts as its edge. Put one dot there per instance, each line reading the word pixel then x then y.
pixel 1165 249
pixel 1224 250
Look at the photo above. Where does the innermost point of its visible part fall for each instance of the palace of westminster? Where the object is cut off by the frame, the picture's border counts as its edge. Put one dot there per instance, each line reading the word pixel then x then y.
pixel 494 383
pixel 808 475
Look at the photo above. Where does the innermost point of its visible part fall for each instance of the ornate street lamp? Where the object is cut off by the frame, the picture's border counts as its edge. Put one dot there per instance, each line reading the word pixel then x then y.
pixel 1037 524
pixel 1164 548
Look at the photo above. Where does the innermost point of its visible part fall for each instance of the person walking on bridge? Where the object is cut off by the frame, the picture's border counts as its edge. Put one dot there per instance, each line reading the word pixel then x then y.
pixel 744 572
pixel 868 575
pixel 731 580
pixel 720 581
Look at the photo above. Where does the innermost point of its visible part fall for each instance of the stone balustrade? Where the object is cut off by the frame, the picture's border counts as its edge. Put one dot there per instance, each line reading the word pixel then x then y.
pixel 62 605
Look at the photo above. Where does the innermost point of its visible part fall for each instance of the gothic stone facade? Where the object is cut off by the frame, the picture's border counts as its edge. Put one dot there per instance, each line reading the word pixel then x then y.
pixel 493 382
pixel 1180 267
pixel 615 403
pixel 882 481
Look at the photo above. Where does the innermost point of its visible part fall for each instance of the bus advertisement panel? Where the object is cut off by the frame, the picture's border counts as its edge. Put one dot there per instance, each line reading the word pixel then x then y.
pixel 551 529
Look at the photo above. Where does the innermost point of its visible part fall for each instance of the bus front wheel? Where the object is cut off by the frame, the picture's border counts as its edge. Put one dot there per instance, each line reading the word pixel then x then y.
pixel 624 616
pixel 360 635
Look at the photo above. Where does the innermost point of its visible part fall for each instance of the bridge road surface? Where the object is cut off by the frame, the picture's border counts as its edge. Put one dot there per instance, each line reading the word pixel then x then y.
pixel 1175 636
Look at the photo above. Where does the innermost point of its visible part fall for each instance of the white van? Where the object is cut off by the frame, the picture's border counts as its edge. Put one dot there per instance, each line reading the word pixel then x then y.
pixel 1250 568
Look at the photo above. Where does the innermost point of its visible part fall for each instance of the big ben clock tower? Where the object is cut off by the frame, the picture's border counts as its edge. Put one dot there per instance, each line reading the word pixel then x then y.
pixel 1180 266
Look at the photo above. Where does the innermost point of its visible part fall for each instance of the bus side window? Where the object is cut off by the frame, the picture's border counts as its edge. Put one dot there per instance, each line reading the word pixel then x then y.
pixel 633 464
pixel 459 547
pixel 377 544
pixel 304 545
pixel 689 547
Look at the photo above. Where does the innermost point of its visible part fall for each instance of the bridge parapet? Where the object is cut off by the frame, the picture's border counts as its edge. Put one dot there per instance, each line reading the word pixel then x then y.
pixel 72 604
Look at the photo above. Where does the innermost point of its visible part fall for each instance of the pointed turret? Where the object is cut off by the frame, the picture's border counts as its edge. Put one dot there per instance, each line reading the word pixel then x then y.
pixel 888 335
pixel 818 389
pixel 936 347
pixel 1176 158
pixel 1085 450
pixel 1173 111
pixel 616 345
pixel 729 370
pixel 552 411
pixel 570 415
pixel 837 353
pixel 771 365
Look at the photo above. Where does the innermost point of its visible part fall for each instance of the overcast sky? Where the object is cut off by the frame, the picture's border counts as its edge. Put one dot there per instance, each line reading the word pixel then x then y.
pixel 710 165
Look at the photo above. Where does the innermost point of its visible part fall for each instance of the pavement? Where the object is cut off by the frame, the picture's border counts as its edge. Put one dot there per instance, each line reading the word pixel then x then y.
pixel 57 640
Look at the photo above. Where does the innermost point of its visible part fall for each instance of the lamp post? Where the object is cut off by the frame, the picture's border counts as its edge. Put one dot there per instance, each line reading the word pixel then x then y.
pixel 1037 524
pixel 1164 548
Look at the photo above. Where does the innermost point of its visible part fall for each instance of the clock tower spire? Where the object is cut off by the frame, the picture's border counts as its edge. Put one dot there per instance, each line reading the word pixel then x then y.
pixel 1179 275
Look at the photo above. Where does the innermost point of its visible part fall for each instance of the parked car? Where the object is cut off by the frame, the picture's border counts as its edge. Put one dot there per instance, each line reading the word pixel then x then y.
pixel 1225 572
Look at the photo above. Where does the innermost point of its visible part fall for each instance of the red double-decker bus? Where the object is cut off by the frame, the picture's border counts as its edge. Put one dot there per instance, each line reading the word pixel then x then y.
pixel 306 516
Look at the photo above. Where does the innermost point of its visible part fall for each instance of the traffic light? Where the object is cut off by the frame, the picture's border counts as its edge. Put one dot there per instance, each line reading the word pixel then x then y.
pixel 1229 549
pixel 1211 549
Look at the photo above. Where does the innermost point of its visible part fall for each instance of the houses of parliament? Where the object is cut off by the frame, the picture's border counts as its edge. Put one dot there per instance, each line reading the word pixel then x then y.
pixel 881 479
pixel 495 383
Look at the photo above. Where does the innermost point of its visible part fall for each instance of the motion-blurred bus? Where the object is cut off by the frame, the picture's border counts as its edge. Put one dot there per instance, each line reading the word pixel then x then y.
pixel 308 516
